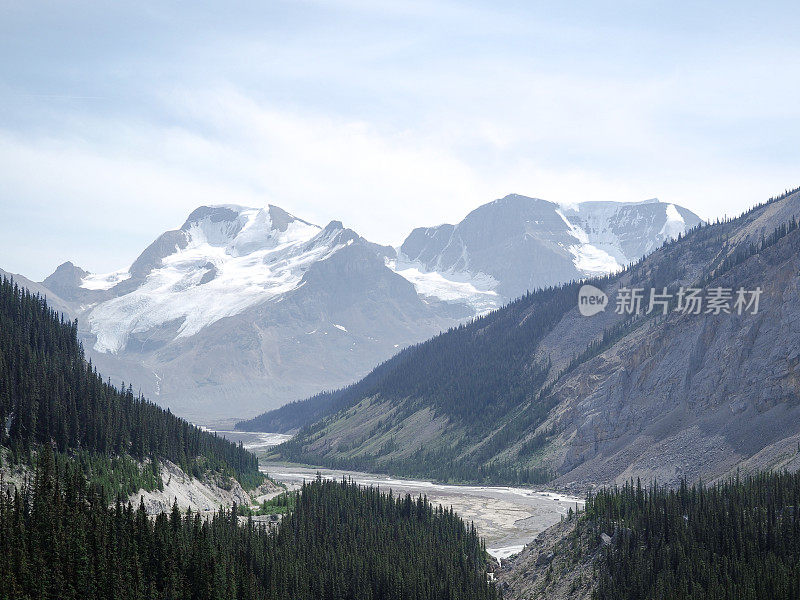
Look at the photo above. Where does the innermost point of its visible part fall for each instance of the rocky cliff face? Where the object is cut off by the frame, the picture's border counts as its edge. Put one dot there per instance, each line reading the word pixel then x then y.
pixel 550 568
pixel 690 395
pixel 205 495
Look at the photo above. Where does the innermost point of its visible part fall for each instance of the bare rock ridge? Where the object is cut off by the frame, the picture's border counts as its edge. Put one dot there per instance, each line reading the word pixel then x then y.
pixel 547 568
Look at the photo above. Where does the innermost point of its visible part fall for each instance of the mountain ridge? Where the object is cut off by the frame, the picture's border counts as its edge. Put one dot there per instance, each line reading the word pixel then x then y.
pixel 518 244
pixel 570 424
pixel 243 309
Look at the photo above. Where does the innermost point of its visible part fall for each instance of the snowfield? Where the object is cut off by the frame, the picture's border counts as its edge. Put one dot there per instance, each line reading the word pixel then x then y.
pixel 226 268
pixel 106 281
pixel 474 289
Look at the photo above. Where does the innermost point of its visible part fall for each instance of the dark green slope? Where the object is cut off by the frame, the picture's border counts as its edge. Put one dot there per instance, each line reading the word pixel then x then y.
pixel 739 539
pixel 50 395
pixel 60 539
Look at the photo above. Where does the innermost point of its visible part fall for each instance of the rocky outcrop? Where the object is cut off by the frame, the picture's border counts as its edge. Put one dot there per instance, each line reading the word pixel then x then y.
pixel 207 494
pixel 554 566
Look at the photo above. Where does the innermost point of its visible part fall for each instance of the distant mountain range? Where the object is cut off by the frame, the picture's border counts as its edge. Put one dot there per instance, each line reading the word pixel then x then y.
pixel 537 392
pixel 241 309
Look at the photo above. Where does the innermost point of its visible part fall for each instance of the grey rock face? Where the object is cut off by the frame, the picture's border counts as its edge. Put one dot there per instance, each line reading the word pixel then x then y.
pixel 693 395
pixel 166 244
pixel 520 242
pixel 527 243
pixel 215 214
pixel 65 280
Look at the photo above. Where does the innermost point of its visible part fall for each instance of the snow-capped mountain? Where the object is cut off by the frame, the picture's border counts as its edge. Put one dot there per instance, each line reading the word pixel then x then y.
pixel 516 244
pixel 225 260
pixel 243 309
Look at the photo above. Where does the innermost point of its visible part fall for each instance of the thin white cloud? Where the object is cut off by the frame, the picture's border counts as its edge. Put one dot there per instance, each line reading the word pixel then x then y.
pixel 140 178
pixel 385 116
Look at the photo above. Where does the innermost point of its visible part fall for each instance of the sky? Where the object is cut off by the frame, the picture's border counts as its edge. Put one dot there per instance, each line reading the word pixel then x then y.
pixel 118 118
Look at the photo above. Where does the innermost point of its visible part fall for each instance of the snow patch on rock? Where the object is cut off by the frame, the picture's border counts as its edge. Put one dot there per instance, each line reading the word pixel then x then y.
pixel 476 290
pixel 252 262
pixel 674 225
pixel 588 257
pixel 104 281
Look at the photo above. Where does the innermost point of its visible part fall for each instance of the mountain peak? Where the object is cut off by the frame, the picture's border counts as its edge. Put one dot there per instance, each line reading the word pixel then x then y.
pixel 280 218
pixel 241 217
pixel 65 280
pixel 224 260
pixel 66 270
pixel 520 199
pixel 214 213
pixel 334 226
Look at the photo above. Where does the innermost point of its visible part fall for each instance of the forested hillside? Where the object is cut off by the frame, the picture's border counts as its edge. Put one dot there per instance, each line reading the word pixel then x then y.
pixel 60 539
pixel 535 391
pixel 50 395
pixel 738 539
pixel 472 375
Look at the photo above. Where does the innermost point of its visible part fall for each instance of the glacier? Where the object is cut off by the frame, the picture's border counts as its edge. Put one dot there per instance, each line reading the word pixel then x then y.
pixel 226 267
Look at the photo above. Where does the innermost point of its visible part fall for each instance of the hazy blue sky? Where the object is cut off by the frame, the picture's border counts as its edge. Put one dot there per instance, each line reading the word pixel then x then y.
pixel 117 118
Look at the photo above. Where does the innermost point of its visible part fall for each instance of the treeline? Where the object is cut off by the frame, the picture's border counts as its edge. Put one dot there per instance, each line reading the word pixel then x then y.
pixel 440 465
pixel 50 395
pixel 60 539
pixel 739 539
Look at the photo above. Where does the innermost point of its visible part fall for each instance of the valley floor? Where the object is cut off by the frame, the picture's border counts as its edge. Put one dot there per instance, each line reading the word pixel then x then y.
pixel 507 517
